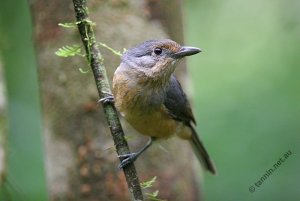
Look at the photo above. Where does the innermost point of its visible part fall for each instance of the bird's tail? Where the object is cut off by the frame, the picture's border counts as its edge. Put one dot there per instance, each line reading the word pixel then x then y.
pixel 201 152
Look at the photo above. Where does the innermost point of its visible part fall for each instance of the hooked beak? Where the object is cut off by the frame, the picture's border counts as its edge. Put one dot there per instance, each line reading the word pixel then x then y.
pixel 186 51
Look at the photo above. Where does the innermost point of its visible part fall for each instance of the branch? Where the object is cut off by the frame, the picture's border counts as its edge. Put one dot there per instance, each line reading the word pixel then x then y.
pixel 96 62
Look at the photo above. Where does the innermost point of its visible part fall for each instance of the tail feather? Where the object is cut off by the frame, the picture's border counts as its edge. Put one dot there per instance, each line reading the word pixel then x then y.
pixel 201 152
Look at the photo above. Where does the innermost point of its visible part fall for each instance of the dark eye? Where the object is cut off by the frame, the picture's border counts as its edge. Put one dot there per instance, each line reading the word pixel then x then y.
pixel 157 51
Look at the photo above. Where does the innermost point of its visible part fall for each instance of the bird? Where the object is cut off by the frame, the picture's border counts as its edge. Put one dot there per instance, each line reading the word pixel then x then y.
pixel 150 98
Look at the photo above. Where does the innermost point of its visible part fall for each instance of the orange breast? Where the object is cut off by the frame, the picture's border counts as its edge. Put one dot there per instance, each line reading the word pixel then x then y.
pixel 149 120
pixel 154 123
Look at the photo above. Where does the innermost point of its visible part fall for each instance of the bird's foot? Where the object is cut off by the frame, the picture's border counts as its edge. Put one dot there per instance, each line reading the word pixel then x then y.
pixel 127 159
pixel 130 158
pixel 109 98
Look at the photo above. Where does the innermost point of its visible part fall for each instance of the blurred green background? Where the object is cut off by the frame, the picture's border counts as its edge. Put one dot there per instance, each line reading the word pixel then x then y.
pixel 245 87
pixel 22 176
pixel 246 93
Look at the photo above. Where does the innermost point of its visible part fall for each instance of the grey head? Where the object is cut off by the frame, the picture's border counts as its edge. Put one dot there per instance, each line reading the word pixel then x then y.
pixel 156 54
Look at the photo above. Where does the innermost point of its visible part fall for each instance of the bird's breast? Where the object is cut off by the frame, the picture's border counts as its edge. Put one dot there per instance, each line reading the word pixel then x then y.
pixel 142 104
pixel 133 92
pixel 155 123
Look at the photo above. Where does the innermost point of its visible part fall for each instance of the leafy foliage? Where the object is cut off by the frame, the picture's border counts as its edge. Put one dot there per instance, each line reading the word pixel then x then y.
pixel 69 51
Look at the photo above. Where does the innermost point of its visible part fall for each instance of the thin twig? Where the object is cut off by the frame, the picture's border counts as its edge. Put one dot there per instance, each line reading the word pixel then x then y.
pixel 96 62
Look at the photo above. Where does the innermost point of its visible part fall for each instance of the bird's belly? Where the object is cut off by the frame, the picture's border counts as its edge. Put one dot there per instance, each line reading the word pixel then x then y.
pixel 154 123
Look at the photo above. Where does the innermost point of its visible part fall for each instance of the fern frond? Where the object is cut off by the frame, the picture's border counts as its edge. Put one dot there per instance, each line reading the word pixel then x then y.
pixel 69 51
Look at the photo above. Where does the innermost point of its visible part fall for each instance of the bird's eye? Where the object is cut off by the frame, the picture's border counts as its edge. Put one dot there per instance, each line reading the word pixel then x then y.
pixel 157 51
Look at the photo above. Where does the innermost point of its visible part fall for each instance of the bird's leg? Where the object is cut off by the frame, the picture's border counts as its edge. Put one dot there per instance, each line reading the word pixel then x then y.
pixel 109 98
pixel 129 158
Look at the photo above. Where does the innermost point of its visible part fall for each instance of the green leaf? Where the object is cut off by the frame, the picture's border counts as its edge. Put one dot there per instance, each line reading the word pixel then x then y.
pixel 153 196
pixel 87 21
pixel 73 24
pixel 148 184
pixel 68 51
pixel 90 22
pixel 118 53
pixel 67 24
pixel 84 71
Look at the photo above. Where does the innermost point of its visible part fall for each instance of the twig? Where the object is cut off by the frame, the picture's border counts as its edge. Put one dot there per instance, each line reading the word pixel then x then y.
pixel 96 62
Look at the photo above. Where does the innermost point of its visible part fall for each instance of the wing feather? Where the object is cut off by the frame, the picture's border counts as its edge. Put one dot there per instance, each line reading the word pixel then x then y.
pixel 179 109
pixel 177 104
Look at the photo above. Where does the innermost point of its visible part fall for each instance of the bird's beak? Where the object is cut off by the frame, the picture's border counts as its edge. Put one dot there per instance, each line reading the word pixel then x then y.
pixel 186 51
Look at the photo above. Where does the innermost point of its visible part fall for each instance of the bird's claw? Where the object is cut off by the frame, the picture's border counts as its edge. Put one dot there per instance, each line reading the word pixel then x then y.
pixel 109 98
pixel 127 159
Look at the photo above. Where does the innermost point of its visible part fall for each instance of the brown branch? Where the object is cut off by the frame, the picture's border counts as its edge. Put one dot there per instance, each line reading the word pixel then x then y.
pixel 96 62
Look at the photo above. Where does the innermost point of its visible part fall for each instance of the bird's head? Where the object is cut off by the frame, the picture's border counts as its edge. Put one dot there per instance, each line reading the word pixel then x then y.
pixel 156 58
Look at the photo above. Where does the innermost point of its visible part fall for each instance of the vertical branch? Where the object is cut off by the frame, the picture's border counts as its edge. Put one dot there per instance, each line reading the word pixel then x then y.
pixel 96 62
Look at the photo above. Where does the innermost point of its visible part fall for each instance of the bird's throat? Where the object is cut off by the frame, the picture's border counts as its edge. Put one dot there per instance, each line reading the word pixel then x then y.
pixel 159 75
